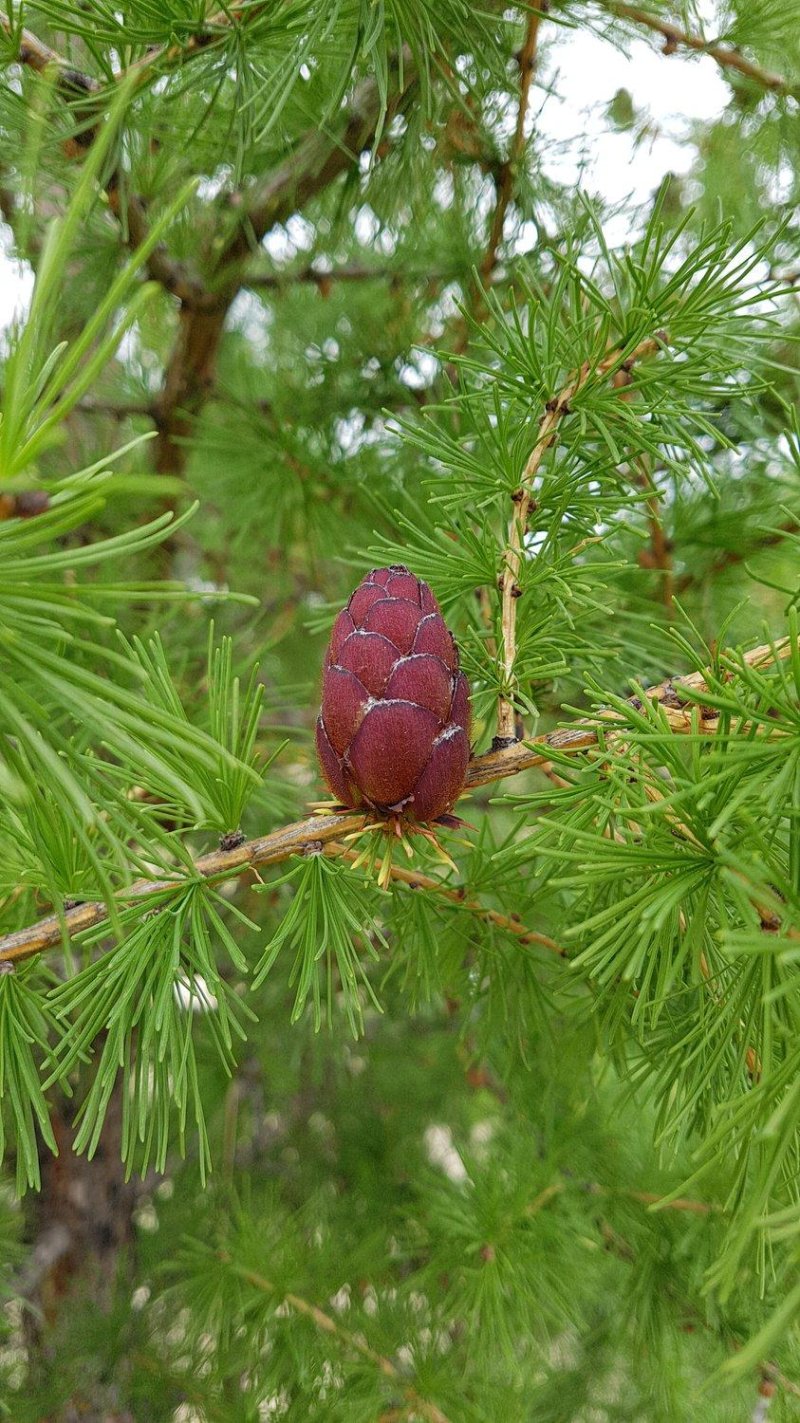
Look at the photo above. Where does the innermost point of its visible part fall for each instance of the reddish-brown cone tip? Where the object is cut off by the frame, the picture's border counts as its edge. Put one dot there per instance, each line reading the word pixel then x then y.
pixel 393 729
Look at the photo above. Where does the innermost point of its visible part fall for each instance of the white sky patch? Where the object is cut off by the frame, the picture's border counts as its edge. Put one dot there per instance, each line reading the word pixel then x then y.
pixel 442 1153
pixel 210 188
pixel 252 317
pixel 418 372
pixel 277 244
pixel 672 91
pixel 195 994
pixel 141 362
pixel 16 281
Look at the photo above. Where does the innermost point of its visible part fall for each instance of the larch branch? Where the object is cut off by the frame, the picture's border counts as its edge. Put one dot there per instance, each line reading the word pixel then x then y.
pixel 675 695
pixel 414 879
pixel 726 56
pixel 128 209
pixel 350 272
pixel 619 359
pixel 423 1407
pixel 212 32
pixel 526 60
pixel 37 55
pixel 730 557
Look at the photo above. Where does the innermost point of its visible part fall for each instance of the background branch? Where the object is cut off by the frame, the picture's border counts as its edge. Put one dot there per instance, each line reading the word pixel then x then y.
pixel 506 174
pixel 414 879
pixel 724 55
pixel 351 272
pixel 317 161
pixel 127 207
pixel 731 557
pixel 423 1407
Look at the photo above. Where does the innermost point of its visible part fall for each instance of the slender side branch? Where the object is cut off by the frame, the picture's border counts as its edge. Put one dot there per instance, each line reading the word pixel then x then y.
pixel 645 1198
pixel 730 557
pixel 675 38
pixel 209 33
pixel 414 879
pixel 174 276
pixel 117 409
pixel 651 1198
pixel 507 171
pixel 504 175
pixel 674 695
pixel 422 1407
pixel 658 554
pixel 265 850
pixel 351 272
pixel 556 409
pixel 39 56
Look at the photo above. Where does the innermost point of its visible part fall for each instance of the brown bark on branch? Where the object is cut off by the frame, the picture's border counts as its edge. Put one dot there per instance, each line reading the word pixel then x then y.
pixel 414 879
pixel 724 55
pixel 37 55
pixel 420 1406
pixel 674 695
pixel 507 171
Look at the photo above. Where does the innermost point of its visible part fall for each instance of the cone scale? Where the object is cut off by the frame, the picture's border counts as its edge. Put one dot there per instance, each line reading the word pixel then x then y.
pixel 393 728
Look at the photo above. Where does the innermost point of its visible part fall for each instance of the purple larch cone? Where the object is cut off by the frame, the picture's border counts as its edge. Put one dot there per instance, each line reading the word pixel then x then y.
pixel 393 729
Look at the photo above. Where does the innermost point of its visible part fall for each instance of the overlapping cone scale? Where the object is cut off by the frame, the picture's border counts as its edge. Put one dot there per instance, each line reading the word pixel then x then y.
pixel 393 729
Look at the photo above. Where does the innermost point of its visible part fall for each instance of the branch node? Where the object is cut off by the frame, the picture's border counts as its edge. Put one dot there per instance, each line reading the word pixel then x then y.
pixel 501 743
pixel 73 79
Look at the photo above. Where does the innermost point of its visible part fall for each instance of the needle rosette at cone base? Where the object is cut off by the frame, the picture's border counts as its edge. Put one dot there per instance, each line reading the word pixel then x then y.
pixel 393 729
